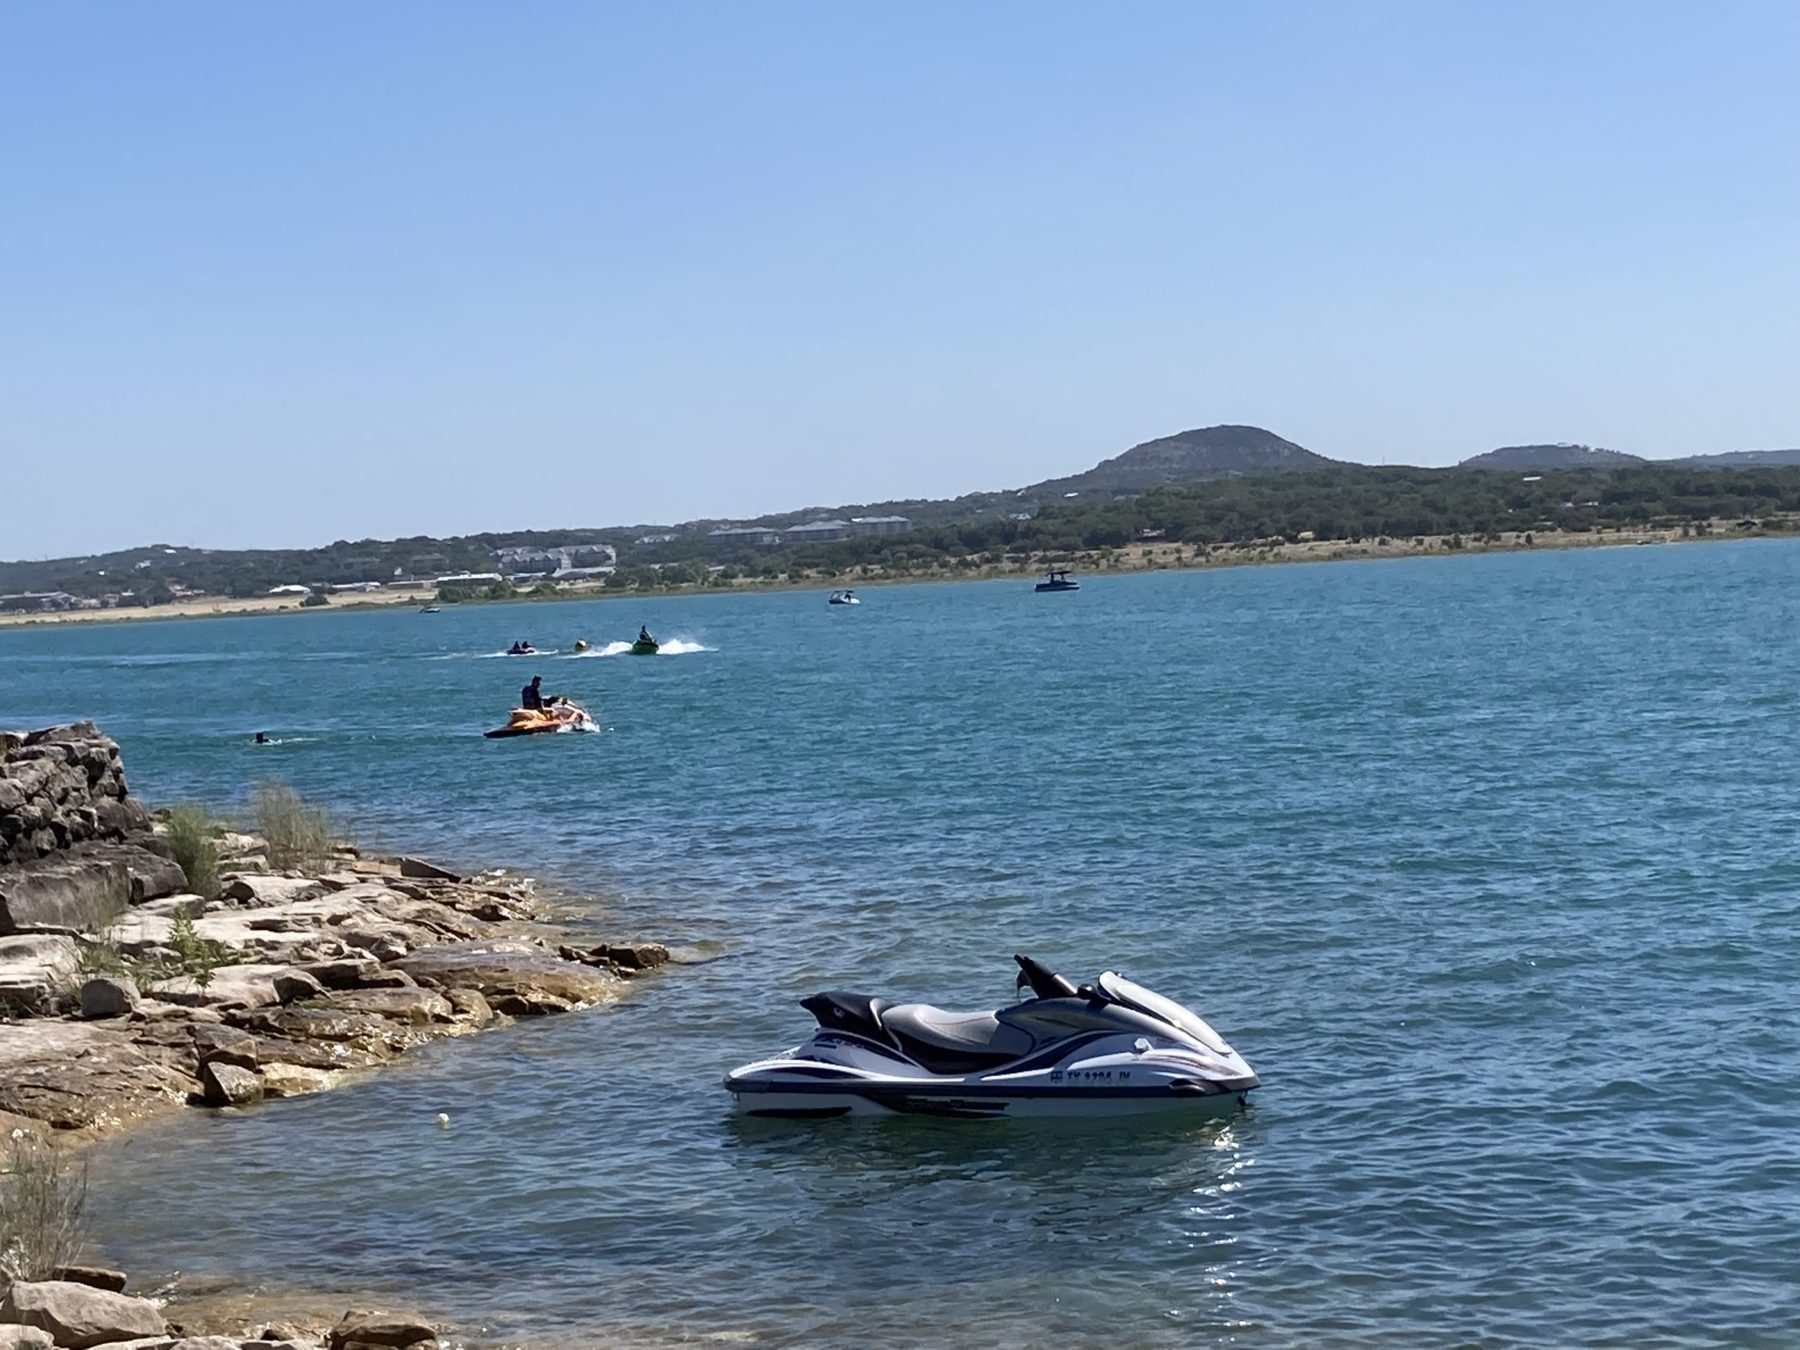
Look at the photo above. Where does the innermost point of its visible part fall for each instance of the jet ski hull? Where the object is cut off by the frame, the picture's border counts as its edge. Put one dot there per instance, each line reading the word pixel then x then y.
pixel 531 722
pixel 943 1103
pixel 836 1075
pixel 644 648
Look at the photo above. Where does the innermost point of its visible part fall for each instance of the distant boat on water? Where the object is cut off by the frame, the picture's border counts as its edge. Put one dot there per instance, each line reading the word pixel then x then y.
pixel 429 609
pixel 1058 580
pixel 843 598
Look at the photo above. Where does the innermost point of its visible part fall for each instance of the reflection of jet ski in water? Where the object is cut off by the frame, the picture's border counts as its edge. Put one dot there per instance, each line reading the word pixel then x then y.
pixel 556 715
pixel 1111 1048
pixel 645 644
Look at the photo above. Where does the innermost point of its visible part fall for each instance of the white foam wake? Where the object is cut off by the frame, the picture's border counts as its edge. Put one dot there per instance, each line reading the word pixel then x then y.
pixel 673 647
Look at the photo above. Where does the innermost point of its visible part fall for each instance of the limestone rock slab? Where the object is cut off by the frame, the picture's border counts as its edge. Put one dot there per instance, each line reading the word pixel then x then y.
pixel 512 973
pixel 79 1316
pixel 72 895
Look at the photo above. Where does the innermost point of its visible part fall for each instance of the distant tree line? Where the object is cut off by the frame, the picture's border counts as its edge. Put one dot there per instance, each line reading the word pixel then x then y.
pixel 1348 502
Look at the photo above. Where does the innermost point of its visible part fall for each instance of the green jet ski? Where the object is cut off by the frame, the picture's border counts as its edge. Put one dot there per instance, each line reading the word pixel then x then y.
pixel 645 644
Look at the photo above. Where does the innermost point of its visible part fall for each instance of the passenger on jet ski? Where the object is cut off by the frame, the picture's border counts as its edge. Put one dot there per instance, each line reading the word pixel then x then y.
pixel 520 648
pixel 262 738
pixel 644 636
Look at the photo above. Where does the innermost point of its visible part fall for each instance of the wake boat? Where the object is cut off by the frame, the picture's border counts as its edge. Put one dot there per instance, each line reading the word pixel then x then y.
pixel 843 598
pixel 1058 580
pixel 562 716
pixel 1112 1048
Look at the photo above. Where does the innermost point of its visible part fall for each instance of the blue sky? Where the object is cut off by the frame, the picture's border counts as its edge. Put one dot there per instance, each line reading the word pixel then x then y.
pixel 286 274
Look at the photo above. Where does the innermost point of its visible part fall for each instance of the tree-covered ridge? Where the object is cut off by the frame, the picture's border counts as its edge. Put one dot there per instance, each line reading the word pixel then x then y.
pixel 1340 502
pixel 160 568
pixel 1353 503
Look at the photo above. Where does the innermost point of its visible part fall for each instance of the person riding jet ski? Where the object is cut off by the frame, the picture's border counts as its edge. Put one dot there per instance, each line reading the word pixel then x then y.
pixel 533 697
pixel 520 648
pixel 644 636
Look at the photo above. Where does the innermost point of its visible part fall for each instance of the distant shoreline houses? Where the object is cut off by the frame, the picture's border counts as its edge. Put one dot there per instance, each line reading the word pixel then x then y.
pixel 523 565
pixel 557 562
pixel 823 531
pixel 42 602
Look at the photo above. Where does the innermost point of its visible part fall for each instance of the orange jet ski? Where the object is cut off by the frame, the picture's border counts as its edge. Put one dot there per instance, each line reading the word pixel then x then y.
pixel 564 716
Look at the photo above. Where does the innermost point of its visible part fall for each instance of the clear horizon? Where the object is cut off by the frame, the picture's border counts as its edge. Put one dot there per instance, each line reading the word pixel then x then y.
pixel 276 278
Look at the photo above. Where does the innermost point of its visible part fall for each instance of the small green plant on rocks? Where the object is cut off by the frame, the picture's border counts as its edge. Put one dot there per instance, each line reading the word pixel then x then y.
pixel 100 956
pixel 198 957
pixel 192 838
pixel 297 833
pixel 42 1207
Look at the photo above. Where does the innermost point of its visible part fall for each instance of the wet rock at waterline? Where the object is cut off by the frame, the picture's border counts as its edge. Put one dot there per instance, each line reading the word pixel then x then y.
pixel 385 1329
pixel 224 1084
pixel 79 1316
pixel 97 1277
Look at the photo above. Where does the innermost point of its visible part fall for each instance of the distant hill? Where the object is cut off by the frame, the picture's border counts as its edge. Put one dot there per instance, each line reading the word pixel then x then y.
pixel 1567 456
pixel 1206 454
pixel 1563 456
pixel 1197 456
pixel 1737 459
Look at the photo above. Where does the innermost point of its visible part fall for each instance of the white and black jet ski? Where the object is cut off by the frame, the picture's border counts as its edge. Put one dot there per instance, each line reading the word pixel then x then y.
pixel 1112 1048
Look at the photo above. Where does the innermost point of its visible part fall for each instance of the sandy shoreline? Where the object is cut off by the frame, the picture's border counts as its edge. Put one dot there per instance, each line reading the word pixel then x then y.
pixel 1145 556
pixel 215 606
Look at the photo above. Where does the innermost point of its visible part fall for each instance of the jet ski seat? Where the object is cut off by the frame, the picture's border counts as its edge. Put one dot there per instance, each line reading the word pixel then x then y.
pixel 950 1042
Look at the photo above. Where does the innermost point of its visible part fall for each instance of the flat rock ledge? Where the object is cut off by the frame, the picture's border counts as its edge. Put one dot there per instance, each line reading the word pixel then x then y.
pixel 326 975
pixel 93 1311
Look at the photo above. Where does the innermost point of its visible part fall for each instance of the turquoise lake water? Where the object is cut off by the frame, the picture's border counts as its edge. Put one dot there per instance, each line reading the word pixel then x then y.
pixel 1488 865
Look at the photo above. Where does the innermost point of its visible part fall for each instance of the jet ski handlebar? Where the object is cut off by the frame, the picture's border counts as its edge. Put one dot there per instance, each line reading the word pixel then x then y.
pixel 1044 982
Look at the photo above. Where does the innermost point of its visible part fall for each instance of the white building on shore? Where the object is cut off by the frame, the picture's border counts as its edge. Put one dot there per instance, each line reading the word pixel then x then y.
pixel 879 524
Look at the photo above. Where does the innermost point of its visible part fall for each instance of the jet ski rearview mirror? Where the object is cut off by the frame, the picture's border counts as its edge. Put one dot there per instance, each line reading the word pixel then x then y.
pixel 1045 983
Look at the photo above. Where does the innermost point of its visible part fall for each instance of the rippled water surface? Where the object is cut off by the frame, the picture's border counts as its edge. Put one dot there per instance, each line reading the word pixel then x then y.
pixel 1488 865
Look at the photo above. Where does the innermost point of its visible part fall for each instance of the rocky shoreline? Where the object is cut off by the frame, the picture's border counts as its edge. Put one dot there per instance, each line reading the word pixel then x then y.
pixel 125 996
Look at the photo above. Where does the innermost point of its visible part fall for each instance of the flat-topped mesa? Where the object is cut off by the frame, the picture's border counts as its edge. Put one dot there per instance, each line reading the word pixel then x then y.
pixel 60 787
